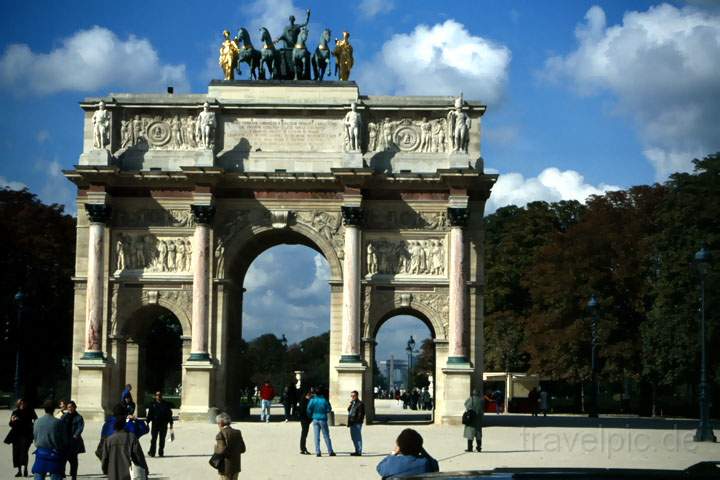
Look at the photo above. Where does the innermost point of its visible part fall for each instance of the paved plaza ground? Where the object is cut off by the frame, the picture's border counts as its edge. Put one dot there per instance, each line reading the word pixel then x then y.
pixel 509 441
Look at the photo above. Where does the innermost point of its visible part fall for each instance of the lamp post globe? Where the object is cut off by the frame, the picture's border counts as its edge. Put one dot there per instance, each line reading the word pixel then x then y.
pixel 704 432
pixel 593 306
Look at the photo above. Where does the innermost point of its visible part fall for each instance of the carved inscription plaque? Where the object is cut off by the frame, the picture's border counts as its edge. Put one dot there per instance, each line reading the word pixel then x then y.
pixel 284 135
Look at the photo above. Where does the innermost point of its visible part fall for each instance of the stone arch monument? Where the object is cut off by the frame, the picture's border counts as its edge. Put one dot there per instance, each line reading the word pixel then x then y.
pixel 186 190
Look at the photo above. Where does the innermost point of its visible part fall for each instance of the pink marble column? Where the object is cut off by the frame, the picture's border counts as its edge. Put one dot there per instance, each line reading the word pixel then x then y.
pixel 98 214
pixel 352 218
pixel 203 215
pixel 456 336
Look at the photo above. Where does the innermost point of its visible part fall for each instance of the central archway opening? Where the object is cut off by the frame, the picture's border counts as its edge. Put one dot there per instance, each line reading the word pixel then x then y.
pixel 279 331
pixel 404 370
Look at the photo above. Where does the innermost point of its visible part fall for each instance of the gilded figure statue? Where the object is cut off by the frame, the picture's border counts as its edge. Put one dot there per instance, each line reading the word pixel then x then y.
pixel 343 54
pixel 229 52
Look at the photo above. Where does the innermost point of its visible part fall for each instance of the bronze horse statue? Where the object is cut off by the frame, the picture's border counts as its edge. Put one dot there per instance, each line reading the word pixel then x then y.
pixel 301 56
pixel 248 54
pixel 268 56
pixel 321 57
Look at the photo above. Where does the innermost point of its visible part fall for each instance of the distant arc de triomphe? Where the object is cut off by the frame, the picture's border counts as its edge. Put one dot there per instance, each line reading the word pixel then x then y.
pixel 178 194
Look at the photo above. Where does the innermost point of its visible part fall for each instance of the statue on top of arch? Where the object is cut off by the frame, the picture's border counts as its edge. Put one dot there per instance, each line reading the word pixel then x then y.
pixel 286 57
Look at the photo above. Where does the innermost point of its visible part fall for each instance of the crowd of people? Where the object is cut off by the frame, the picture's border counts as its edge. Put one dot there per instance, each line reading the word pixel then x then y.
pixel 58 440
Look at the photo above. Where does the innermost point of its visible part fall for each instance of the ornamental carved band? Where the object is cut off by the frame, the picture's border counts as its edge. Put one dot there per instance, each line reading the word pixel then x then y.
pixel 352 216
pixel 98 212
pixel 458 217
pixel 203 213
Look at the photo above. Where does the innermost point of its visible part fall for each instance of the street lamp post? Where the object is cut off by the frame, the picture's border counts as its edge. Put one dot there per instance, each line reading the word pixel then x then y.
pixel 704 431
pixel 409 349
pixel 593 307
pixel 18 383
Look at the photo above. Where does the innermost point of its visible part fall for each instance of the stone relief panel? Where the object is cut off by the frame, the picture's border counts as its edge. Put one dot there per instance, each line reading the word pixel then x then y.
pixel 156 217
pixel 179 131
pixel 284 134
pixel 148 253
pixel 405 257
pixel 406 135
pixel 406 220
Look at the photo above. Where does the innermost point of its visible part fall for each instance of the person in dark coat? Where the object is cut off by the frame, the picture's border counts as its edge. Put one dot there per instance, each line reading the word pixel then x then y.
pixel 120 452
pixel 21 435
pixel 289 400
pixel 159 417
pixel 533 399
pixel 474 431
pixel 305 421
pixel 356 418
pixel 74 425
pixel 228 443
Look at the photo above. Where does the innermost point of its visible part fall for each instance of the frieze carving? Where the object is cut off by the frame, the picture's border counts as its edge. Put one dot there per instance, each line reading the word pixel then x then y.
pixel 328 225
pixel 156 132
pixel 406 220
pixel 149 253
pixel 155 217
pixel 377 303
pixel 406 135
pixel 405 257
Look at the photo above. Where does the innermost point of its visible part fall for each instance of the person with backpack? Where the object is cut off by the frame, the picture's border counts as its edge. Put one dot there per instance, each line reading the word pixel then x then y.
pixel 472 419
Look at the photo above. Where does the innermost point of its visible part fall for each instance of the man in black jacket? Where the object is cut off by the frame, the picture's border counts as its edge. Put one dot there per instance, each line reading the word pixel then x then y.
pixel 356 417
pixel 305 421
pixel 159 417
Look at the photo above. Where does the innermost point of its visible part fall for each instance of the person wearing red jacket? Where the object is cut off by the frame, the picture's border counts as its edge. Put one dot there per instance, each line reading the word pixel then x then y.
pixel 267 393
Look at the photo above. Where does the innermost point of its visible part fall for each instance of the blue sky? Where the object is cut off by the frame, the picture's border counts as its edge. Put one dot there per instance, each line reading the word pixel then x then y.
pixel 582 96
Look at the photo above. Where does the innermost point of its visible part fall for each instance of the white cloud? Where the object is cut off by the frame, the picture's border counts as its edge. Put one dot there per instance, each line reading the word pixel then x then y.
pixel 273 15
pixel 87 61
pixel 551 185
pixel 443 59
pixel 42 136
pixel 662 65
pixel 319 284
pixel 371 8
pixel 12 185
pixel 55 187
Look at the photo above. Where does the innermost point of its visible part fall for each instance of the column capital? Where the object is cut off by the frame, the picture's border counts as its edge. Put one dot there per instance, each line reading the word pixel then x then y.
pixel 352 216
pixel 98 212
pixel 458 217
pixel 203 213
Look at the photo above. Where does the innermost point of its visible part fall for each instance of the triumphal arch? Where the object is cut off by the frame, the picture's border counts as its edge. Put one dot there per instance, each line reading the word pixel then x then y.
pixel 177 194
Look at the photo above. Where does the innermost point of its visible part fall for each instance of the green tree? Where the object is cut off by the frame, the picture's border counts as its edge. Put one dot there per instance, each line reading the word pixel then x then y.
pixel 38 257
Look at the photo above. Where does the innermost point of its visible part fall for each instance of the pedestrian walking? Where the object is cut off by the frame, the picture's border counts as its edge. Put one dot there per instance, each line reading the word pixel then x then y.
pixel 121 453
pixel 159 417
pixel 544 402
pixel 408 458
pixel 20 435
pixel 267 393
pixel 318 409
pixel 50 444
pixel 305 421
pixel 473 428
pixel 533 400
pixel 356 418
pixel 73 424
pixel 230 445
pixel 288 401
pixel 126 399
pixel 498 399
